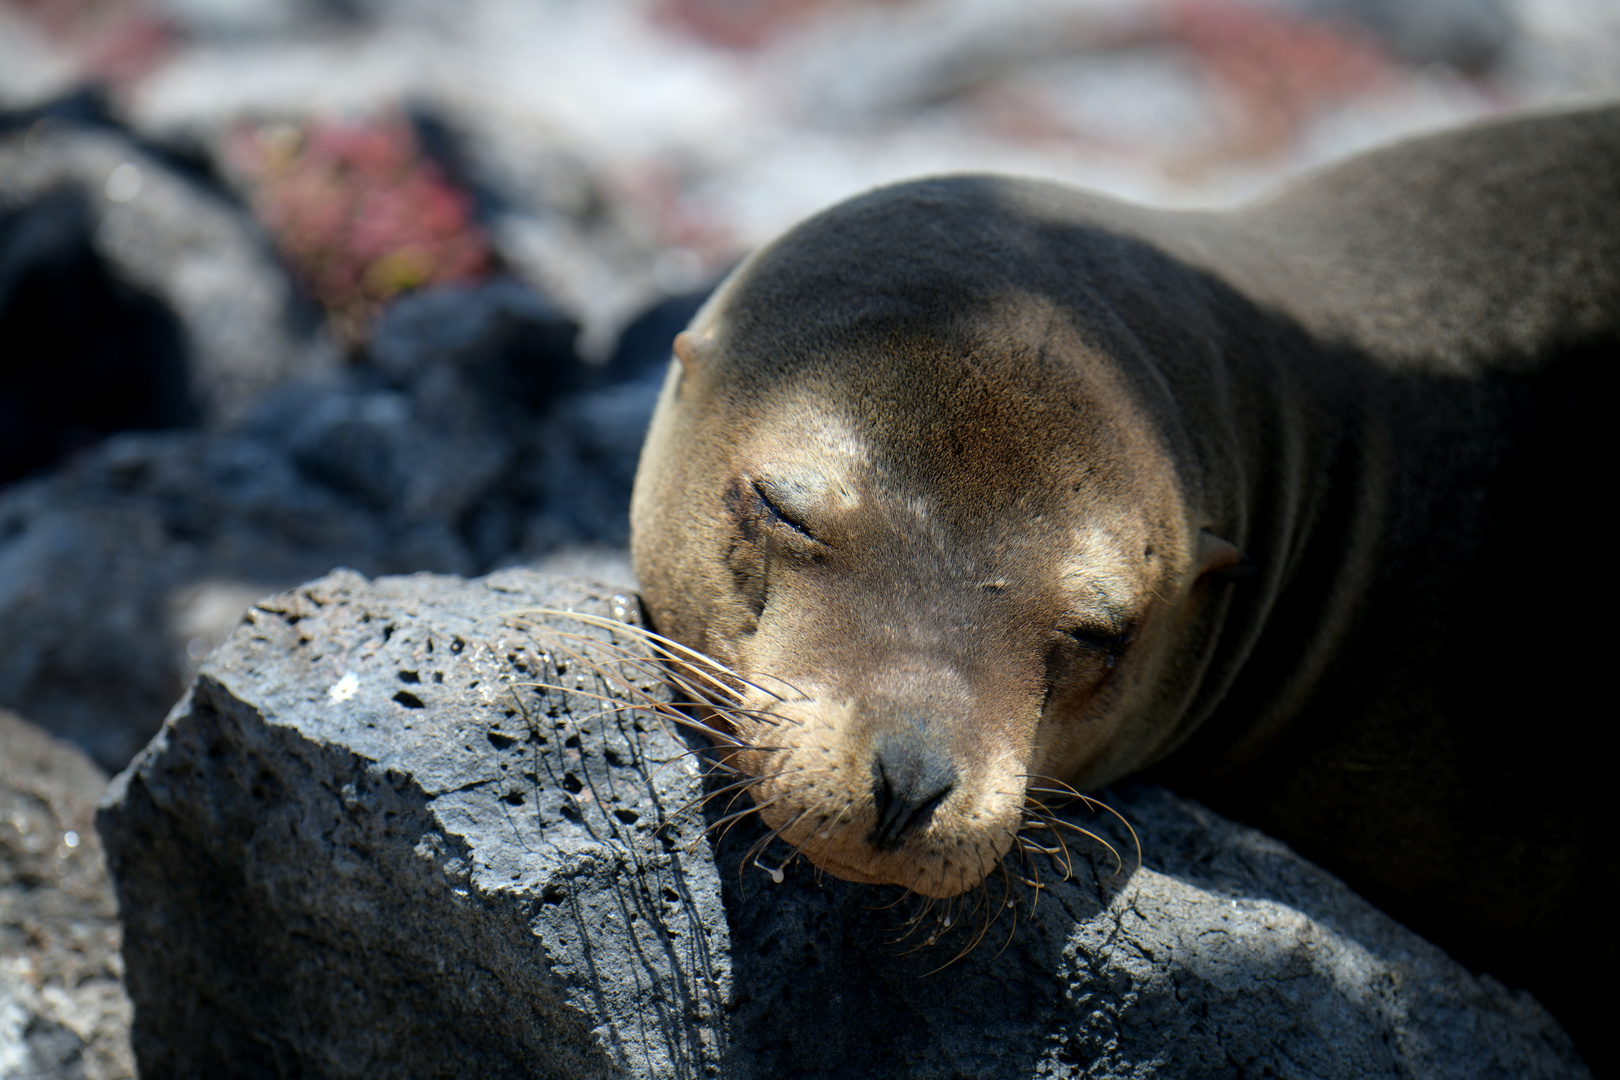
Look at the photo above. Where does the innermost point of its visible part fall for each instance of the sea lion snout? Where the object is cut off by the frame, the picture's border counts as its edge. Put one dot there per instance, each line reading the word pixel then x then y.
pixel 911 777
pixel 881 775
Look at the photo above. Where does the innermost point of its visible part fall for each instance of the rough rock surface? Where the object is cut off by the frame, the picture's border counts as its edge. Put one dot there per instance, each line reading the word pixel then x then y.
pixel 63 1012
pixel 367 844
pixel 363 846
pixel 1224 954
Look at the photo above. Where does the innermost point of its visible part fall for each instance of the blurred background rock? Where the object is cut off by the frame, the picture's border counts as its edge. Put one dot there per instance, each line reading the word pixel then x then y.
pixel 291 284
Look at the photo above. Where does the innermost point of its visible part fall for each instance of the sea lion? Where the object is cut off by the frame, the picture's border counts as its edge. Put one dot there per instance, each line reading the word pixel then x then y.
pixel 984 485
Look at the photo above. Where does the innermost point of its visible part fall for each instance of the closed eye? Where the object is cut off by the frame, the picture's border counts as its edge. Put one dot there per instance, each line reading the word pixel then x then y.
pixel 781 514
pixel 1106 642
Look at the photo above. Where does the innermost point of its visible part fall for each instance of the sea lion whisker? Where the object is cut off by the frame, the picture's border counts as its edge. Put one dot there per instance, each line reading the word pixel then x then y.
pixel 1033 883
pixel 1013 907
pixel 702 755
pixel 1034 868
pixel 731 824
pixel 734 787
pixel 969 947
pixel 649 667
pixel 981 914
pixel 989 907
pixel 759 846
pixel 802 696
pixel 730 820
pixel 1060 789
pixel 937 907
pixel 737 787
pixel 983 908
pixel 673 666
pixel 1119 864
pixel 1030 845
pixel 919 913
pixel 670 647
pixel 764 716
pixel 1097 804
pixel 1062 855
pixel 908 928
pixel 905 894
pixel 779 874
pixel 828 827
pixel 654 708
pixel 1036 781
pixel 581 655
pixel 697 696
pixel 1032 879
pixel 943 910
pixel 604 669
pixel 1038 816
pixel 789 861
pixel 639 702
pixel 945 919
pixel 736 791
pixel 674 816
pixel 716 755
pixel 710 762
pixel 991 915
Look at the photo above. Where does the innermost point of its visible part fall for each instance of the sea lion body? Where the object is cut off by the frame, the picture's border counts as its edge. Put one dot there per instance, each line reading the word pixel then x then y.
pixel 986 484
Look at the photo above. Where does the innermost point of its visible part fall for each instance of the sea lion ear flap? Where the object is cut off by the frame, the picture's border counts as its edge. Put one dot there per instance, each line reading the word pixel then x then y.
pixel 693 350
pixel 1220 560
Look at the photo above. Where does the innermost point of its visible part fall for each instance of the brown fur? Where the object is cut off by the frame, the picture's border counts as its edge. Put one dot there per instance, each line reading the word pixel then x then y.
pixel 959 473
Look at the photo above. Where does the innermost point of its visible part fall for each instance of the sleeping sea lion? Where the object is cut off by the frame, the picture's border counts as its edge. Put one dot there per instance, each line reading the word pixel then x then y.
pixel 985 486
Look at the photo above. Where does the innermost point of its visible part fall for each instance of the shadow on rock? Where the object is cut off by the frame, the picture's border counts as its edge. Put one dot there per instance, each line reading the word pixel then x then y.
pixel 86 352
pixel 1222 953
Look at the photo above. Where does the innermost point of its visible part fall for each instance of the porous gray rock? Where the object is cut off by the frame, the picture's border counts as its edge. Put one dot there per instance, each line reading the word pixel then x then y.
pixel 368 842
pixel 63 1011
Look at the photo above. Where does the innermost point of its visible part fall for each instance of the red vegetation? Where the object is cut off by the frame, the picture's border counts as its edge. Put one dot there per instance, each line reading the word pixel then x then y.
pixel 359 213
pixel 1275 68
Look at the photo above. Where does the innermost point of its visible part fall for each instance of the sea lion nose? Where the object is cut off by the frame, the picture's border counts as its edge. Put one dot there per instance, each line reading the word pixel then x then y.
pixel 911 776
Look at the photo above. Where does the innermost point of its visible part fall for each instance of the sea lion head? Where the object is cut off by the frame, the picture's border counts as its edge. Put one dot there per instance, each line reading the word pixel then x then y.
pixel 921 511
